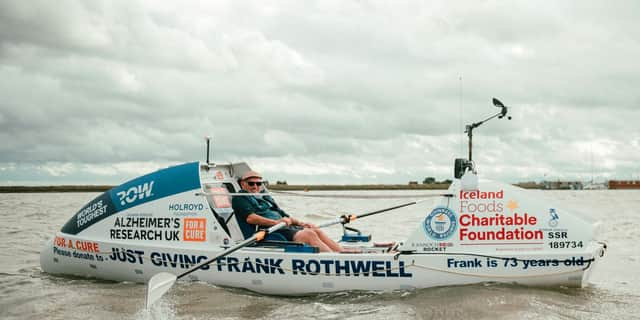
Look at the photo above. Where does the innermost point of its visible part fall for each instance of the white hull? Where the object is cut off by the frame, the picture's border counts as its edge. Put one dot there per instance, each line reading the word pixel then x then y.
pixel 272 271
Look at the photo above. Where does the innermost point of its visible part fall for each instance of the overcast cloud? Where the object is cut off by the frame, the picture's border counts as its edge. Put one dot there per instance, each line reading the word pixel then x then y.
pixel 99 92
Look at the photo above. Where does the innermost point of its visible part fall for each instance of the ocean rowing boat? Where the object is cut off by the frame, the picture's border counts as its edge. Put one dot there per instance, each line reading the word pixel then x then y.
pixel 179 220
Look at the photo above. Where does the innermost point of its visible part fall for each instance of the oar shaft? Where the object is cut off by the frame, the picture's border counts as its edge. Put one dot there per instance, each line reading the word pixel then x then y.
pixel 346 219
pixel 385 210
pixel 231 250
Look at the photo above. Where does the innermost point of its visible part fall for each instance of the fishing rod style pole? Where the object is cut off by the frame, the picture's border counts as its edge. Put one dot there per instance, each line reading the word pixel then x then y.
pixel 161 282
pixel 344 219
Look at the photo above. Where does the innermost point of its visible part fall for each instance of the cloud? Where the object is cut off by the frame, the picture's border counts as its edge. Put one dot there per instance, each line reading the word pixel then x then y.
pixel 317 92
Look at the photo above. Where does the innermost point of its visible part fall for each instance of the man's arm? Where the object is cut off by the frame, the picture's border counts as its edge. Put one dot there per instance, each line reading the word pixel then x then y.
pixel 266 222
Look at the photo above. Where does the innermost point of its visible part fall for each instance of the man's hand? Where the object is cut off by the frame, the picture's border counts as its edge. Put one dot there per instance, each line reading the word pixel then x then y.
pixel 288 221
pixel 307 225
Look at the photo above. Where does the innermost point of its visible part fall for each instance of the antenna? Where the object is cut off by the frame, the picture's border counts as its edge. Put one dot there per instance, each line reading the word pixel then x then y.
pixel 500 115
pixel 462 164
pixel 460 101
pixel 208 140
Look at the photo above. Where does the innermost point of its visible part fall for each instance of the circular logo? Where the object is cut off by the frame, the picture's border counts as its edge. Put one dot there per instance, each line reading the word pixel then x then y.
pixel 440 223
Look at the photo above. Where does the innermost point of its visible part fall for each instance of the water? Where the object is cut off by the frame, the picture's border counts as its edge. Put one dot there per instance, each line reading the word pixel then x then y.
pixel 28 220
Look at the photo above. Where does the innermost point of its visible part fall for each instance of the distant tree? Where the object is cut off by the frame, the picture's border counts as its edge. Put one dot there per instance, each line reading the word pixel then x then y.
pixel 413 182
pixel 429 180
pixel 447 181
pixel 281 182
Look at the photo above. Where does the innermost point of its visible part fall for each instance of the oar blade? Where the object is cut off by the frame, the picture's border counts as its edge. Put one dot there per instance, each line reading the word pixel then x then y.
pixel 158 285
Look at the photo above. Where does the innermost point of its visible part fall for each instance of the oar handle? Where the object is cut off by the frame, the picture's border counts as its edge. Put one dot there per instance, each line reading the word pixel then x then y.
pixel 344 219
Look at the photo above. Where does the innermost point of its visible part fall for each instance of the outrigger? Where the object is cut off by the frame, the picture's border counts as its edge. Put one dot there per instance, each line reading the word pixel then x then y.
pixel 178 222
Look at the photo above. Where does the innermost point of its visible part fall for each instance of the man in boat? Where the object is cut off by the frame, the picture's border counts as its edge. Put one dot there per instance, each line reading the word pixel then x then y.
pixel 262 211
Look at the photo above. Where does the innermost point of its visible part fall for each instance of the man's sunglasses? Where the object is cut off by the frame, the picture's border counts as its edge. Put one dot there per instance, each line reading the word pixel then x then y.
pixel 254 183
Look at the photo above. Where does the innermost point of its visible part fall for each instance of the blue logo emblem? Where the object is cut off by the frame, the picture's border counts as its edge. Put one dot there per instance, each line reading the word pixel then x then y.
pixel 554 218
pixel 440 224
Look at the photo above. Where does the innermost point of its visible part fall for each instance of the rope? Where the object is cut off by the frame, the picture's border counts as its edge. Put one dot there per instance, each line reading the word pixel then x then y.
pixel 368 196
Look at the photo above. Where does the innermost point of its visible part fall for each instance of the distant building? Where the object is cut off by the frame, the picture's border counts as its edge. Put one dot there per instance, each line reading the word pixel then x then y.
pixel 563 185
pixel 624 184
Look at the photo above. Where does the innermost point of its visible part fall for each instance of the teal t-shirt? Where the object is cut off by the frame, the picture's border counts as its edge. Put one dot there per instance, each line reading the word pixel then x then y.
pixel 263 206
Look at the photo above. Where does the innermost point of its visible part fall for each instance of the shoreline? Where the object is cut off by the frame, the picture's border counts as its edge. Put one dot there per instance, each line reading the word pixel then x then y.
pixel 280 187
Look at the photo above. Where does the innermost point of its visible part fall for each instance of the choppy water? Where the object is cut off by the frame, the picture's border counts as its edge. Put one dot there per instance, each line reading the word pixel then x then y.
pixel 28 220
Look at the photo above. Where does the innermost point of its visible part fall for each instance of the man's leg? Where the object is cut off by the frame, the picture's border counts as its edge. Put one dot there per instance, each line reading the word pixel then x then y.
pixel 309 237
pixel 326 240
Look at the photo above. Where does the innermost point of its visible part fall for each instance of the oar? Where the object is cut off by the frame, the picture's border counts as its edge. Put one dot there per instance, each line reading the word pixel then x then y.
pixel 160 283
pixel 344 219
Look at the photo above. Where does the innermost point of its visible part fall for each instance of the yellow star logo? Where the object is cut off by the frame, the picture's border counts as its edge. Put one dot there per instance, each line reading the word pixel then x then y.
pixel 512 205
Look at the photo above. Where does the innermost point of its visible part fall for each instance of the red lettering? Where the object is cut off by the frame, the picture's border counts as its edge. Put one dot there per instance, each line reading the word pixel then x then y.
pixel 477 194
pixel 60 242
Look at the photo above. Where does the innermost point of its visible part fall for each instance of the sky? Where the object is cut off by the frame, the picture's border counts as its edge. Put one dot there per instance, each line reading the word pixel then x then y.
pixel 326 92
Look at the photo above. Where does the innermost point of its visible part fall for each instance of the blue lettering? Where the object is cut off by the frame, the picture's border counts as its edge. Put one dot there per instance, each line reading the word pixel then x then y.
pixel 189 261
pixel 219 263
pixel 327 265
pixel 232 263
pixel 275 265
pixel 186 207
pixel 248 266
pixel 156 260
pixel 316 267
pixel 260 266
pixel 297 265
pixel 378 266
pixel 402 273
pixel 389 270
pixel 200 258
pixel 173 261
pixel 360 267
pixel 344 267
pixel 453 263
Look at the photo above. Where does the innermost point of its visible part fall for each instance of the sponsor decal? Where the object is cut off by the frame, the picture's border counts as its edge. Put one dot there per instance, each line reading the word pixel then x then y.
pixel 177 260
pixel 145 228
pixel 92 211
pixel 147 188
pixel 440 224
pixel 96 210
pixel 156 185
pixel 516 221
pixel 127 255
pixel 195 229
pixel 314 267
pixel 81 245
pixel 267 265
pixel 477 194
pixel 134 193
pixel 186 207
pixel 483 218
pixel 524 264
pixel 79 249
pixel 433 246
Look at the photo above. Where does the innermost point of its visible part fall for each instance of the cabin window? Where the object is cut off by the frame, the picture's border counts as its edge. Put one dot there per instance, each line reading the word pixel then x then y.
pixel 218 195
